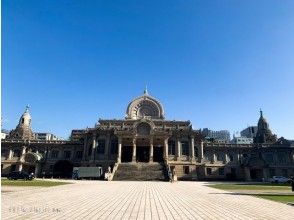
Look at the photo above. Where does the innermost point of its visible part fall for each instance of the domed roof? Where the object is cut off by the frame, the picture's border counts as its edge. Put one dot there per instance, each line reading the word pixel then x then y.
pixel 145 106
pixel 26 117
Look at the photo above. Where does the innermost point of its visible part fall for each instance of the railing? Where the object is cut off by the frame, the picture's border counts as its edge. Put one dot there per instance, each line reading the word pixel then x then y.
pixel 109 176
pixel 169 172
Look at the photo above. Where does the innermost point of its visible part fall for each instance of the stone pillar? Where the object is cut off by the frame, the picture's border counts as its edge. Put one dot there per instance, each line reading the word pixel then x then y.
pixel 10 154
pixel 200 152
pixel 72 154
pixel 192 151
pixel 226 158
pixel 265 173
pixel 213 159
pixel 276 160
pixel 93 147
pixel 37 170
pixel 151 150
pixel 134 150
pixel 165 149
pixel 20 167
pixel 119 150
pixel 107 146
pixel 23 150
pixel 85 148
pixel 178 149
pixel 247 174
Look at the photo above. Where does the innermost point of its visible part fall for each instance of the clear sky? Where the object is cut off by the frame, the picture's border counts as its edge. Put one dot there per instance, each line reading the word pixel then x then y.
pixel 215 63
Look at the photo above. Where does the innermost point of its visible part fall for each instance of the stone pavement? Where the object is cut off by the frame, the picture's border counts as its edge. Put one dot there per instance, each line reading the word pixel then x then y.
pixel 137 200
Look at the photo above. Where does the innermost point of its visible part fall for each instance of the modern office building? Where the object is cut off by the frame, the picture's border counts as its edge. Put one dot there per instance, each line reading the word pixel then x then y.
pixel 219 136
pixel 46 137
pixel 249 132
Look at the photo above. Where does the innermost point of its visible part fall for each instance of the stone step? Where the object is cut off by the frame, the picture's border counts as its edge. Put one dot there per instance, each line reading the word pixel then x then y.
pixel 140 172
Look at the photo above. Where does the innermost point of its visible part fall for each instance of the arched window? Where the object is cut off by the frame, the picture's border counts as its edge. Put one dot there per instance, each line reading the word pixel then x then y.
pixel 143 129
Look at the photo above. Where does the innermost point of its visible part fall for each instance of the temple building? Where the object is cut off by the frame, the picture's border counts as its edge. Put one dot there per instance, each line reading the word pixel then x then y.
pixel 147 146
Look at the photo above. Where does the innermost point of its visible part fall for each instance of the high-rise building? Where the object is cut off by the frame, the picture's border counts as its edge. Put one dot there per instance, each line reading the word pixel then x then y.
pixel 222 135
pixel 249 132
pixel 46 137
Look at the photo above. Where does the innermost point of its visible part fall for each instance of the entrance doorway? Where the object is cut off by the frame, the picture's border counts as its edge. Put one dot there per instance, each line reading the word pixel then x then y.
pixel 256 174
pixel 142 154
pixel 127 153
pixel 158 154
pixel 29 168
pixel 63 169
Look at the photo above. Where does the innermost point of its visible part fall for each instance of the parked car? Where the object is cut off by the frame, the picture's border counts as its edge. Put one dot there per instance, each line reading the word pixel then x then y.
pixel 280 179
pixel 15 175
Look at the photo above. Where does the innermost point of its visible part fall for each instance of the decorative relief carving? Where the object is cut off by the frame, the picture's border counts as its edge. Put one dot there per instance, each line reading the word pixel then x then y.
pixel 145 108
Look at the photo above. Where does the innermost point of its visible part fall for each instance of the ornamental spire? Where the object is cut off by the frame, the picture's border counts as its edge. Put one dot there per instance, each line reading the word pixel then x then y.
pixel 27 108
pixel 260 112
pixel 145 90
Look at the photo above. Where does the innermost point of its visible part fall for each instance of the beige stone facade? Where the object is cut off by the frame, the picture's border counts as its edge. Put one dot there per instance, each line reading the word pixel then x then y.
pixel 145 136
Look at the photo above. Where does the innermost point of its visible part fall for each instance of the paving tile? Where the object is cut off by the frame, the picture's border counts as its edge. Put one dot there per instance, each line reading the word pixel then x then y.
pixel 136 200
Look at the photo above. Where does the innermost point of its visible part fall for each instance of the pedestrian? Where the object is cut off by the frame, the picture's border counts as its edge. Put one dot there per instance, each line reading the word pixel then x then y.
pixel 292 183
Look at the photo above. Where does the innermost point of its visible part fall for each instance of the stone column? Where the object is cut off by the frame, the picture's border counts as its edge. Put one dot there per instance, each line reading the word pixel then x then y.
pixel 200 152
pixel 192 151
pixel 134 150
pixel 247 174
pixel 119 150
pixel 165 148
pixel 276 160
pixel 10 154
pixel 37 169
pixel 213 158
pixel 85 148
pixel 151 150
pixel 265 173
pixel 23 150
pixel 20 167
pixel 93 147
pixel 178 149
pixel 226 158
pixel 107 145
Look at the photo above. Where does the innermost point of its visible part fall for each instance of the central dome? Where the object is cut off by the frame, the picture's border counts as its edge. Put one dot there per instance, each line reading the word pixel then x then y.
pixel 145 106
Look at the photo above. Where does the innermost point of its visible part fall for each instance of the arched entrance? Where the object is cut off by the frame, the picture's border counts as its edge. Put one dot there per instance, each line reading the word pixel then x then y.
pixel 142 154
pixel 31 163
pixel 62 169
pixel 158 154
pixel 127 152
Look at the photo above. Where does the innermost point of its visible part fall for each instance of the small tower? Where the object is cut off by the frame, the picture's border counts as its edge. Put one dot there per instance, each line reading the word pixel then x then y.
pixel 24 128
pixel 264 134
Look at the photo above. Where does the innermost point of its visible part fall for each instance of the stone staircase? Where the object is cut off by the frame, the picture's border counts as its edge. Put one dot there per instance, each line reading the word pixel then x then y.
pixel 140 172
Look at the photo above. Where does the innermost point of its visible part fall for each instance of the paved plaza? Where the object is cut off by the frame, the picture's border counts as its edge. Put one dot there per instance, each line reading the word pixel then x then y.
pixel 136 200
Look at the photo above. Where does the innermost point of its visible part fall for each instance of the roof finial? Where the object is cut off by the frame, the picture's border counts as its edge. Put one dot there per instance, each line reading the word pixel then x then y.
pixel 145 91
pixel 27 108
pixel 260 112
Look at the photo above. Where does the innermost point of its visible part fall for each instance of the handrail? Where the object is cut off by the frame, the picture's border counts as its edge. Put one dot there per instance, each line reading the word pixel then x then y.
pixel 169 173
pixel 109 176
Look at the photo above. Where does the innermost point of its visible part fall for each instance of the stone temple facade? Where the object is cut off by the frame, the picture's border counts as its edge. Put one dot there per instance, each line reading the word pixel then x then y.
pixel 145 144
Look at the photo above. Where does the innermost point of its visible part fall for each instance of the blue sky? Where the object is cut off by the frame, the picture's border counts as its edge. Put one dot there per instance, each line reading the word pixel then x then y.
pixel 215 63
